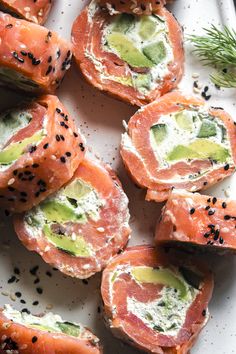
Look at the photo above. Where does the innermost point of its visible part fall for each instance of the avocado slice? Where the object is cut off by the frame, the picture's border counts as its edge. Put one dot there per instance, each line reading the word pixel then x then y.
pixel 55 211
pixel 184 120
pixel 77 189
pixel 147 27
pixel 127 51
pixel 12 152
pixel 159 276
pixel 69 328
pixel 156 52
pixel 207 129
pixel 142 81
pixel 123 23
pixel 159 132
pixel 199 149
pixel 78 248
pixel 43 328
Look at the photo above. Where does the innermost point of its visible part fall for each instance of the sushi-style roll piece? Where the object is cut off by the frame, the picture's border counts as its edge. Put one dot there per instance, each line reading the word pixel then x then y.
pixel 40 149
pixel 23 333
pixel 134 58
pixel 32 58
pixel 192 219
pixel 81 227
pixel 179 142
pixel 138 7
pixel 156 301
pixel 34 11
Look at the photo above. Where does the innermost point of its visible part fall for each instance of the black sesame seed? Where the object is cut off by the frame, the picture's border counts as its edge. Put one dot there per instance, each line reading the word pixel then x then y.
pixel 34 270
pixel 81 145
pixel 207 234
pixel 26 311
pixel 34 339
pixel 207 207
pixel 36 281
pixel 35 165
pixel 49 70
pixel 205 183
pixel 58 110
pixel 227 217
pixel 221 240
pixel 214 200
pixel 22 301
pixel 39 290
pixel 209 200
pixel 68 153
pixel 58 138
pixel 18 294
pixel 192 211
pixel 35 303
pixel 49 274
pixel 75 135
pixel 17 271
pixel 63 159
pixel 211 212
pixel 12 279
pixel 226 167
pixel 204 313
pixel 45 146
pixel 62 137
pixel 224 205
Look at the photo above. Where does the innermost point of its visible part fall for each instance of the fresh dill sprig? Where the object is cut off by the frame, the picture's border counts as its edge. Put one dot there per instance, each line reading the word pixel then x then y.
pixel 217 48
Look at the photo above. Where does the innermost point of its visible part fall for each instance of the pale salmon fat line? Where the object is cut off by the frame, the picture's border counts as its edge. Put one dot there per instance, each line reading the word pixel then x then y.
pixel 198 220
pixel 32 58
pixel 40 150
pixel 178 142
pixel 137 7
pixel 81 227
pixel 145 288
pixel 34 11
pixel 134 58
pixel 21 332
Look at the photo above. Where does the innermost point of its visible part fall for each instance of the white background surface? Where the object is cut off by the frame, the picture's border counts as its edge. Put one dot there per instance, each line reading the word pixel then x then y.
pixel 100 119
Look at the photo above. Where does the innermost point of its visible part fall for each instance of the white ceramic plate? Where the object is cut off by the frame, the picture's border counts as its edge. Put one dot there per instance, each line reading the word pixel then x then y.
pixel 100 119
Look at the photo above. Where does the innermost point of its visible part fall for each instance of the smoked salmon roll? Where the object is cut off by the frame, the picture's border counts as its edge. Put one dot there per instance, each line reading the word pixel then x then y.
pixel 192 219
pixel 34 11
pixel 138 7
pixel 178 142
pixel 40 149
pixel 156 301
pixel 32 58
pixel 81 227
pixel 23 333
pixel 134 58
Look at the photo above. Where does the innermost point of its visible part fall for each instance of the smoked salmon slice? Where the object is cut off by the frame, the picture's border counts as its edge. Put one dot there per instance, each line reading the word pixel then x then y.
pixel 133 58
pixel 80 228
pixel 179 142
pixel 40 149
pixel 23 333
pixel 32 58
pixel 138 7
pixel 34 11
pixel 192 219
pixel 156 301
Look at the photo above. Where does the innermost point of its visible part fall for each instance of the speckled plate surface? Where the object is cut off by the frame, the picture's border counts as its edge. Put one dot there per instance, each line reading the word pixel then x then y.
pixel 100 119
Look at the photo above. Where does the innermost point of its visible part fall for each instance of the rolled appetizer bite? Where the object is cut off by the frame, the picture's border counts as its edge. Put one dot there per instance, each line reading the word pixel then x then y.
pixel 81 227
pixel 40 149
pixel 32 58
pixel 178 142
pixel 32 10
pixel 134 58
pixel 192 219
pixel 156 301
pixel 138 7
pixel 23 333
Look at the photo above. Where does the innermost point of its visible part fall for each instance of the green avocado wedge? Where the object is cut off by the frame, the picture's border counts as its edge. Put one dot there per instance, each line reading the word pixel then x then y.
pixel 55 211
pixel 156 52
pixel 159 276
pixel 77 189
pixel 199 149
pixel 184 120
pixel 124 22
pixel 147 27
pixel 159 132
pixel 69 328
pixel 12 152
pixel 77 248
pixel 127 51
pixel 207 129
